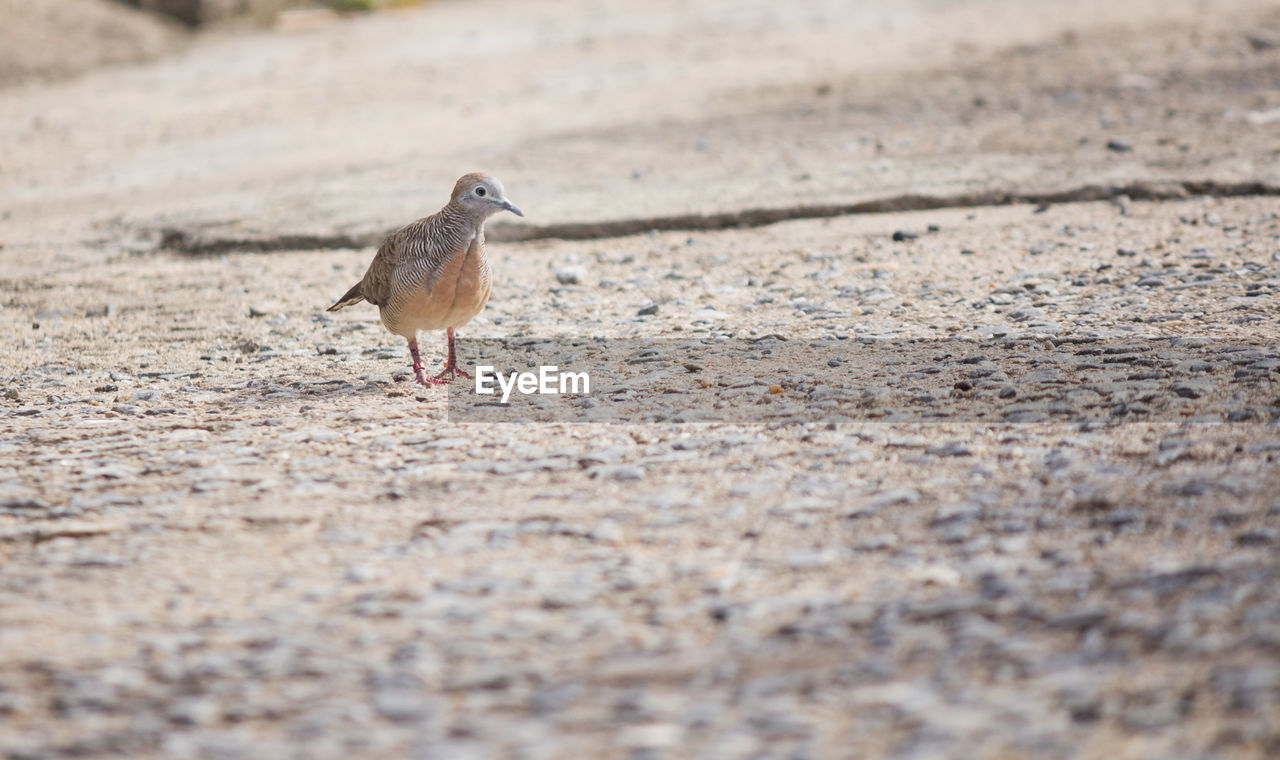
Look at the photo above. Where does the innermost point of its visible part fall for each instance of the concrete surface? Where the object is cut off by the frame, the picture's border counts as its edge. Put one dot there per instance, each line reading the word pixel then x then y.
pixel 229 527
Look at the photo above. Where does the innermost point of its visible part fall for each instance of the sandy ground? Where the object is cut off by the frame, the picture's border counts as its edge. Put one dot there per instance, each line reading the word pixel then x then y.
pixel 230 528
pixel 51 41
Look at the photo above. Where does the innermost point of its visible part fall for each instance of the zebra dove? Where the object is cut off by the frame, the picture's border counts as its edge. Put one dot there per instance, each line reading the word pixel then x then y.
pixel 433 273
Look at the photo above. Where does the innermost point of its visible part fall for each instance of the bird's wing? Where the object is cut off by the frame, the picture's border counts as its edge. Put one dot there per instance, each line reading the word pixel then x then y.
pixel 426 249
pixel 376 286
pixel 412 258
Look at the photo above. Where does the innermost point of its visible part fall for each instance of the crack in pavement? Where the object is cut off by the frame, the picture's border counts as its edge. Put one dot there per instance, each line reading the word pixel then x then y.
pixel 178 240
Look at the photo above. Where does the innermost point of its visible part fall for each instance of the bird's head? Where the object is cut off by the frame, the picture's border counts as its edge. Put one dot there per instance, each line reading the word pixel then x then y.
pixel 482 196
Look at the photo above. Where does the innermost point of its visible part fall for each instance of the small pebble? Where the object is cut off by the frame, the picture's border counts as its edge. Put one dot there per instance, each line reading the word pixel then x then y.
pixel 571 275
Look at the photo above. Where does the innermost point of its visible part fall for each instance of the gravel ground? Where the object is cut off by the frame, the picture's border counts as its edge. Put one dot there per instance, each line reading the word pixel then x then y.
pixel 231 528
pixel 240 534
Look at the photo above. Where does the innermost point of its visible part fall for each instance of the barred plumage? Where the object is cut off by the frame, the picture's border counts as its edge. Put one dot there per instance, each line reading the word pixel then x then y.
pixel 433 274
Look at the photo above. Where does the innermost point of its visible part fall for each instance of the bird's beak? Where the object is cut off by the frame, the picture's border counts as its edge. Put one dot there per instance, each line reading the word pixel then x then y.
pixel 513 208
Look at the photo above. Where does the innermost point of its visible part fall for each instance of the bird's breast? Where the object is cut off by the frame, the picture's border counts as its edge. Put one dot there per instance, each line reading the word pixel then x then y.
pixel 473 283
pixel 447 295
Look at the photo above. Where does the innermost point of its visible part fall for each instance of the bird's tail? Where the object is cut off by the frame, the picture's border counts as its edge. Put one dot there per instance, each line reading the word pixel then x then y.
pixel 353 296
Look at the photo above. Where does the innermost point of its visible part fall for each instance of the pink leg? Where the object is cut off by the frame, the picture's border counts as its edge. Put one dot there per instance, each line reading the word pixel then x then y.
pixel 453 357
pixel 420 369
pixel 451 367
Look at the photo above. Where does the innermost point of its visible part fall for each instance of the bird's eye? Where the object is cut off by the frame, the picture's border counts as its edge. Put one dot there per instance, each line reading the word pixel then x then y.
pixel 480 191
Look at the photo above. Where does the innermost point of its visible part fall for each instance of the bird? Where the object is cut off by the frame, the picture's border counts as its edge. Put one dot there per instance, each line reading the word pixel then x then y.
pixel 433 274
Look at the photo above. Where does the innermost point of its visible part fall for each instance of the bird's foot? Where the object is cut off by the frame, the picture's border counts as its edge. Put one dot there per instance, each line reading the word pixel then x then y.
pixel 449 372
pixel 420 376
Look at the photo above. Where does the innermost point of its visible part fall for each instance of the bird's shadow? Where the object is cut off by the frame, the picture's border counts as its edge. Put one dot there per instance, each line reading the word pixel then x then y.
pixel 278 389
